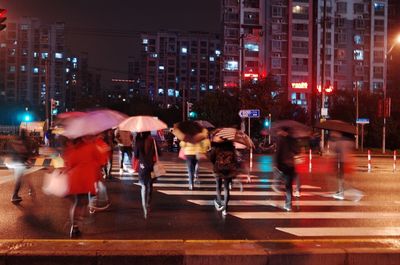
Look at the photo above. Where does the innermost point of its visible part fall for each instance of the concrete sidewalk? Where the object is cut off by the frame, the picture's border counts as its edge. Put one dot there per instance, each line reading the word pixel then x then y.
pixel 191 252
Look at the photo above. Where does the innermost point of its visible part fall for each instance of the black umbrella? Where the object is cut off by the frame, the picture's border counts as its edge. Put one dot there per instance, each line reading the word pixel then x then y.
pixel 337 125
pixel 189 131
pixel 294 128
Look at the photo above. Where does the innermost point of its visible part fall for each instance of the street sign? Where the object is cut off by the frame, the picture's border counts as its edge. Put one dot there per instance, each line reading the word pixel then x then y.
pixel 362 121
pixel 249 113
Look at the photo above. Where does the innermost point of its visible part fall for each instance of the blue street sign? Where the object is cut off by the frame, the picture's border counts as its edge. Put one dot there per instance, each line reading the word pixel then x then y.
pixel 362 121
pixel 249 113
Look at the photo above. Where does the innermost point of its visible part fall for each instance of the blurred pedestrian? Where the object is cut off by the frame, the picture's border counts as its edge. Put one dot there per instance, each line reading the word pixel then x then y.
pixel 226 164
pixel 109 140
pixel 83 161
pixel 20 155
pixel 125 144
pixel 343 145
pixel 145 152
pixel 284 159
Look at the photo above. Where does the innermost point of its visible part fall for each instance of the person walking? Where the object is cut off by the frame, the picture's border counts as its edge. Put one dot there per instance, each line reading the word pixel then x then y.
pixel 108 138
pixel 145 152
pixel 284 160
pixel 20 158
pixel 190 151
pixel 125 142
pixel 226 164
pixel 83 162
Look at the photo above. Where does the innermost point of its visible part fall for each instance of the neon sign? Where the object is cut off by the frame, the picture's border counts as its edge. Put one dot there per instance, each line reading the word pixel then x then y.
pixel 300 85
pixel 328 89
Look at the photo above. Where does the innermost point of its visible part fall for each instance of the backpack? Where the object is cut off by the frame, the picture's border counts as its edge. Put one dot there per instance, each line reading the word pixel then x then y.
pixel 225 161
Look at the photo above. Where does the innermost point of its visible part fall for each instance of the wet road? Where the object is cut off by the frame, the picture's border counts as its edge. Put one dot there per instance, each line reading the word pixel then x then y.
pixel 255 212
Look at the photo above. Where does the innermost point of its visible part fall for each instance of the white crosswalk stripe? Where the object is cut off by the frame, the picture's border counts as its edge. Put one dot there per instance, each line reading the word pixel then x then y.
pixel 250 204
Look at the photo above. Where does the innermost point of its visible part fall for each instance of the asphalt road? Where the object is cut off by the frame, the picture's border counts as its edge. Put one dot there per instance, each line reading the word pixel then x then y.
pixel 255 213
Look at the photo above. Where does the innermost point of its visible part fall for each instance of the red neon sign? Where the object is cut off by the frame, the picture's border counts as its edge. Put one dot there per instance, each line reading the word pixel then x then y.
pixel 300 85
pixel 328 89
pixel 250 75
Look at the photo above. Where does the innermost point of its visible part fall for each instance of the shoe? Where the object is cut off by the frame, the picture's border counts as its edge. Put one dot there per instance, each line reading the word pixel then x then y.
pixel 296 194
pixel 16 198
pixel 338 196
pixel 74 232
pixel 224 213
pixel 145 213
pixel 190 186
pixel 218 206
pixel 287 207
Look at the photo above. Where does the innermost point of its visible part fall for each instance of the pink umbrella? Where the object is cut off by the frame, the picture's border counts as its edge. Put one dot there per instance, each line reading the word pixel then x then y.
pixel 142 124
pixel 92 123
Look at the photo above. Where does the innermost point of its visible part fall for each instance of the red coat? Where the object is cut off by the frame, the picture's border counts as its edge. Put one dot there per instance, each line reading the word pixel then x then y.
pixel 83 163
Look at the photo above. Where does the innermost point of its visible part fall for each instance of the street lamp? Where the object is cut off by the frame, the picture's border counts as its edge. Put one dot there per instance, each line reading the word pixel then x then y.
pixel 397 41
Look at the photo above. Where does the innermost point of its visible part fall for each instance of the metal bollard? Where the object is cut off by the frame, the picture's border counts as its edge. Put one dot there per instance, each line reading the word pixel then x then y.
pixel 310 161
pixel 369 160
pixel 394 160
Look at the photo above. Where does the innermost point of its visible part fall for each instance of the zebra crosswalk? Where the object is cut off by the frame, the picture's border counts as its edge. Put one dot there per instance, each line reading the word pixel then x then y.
pixel 257 201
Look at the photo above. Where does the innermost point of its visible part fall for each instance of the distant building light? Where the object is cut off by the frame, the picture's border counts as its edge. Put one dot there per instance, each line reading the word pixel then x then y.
pixel 231 65
pixel 45 55
pixel 212 58
pixel 176 93
pixel 67 70
pixel 161 67
pixel 154 55
pixel 217 52
pixel 23 68
pixel 203 87
pixel 145 41
pixel 35 55
pixel 123 100
pixel 252 47
pixel 58 55
pixel 161 91
pixel 35 70
pixel 171 92
pixel 184 50
pixel 211 87
pixel 75 60
pixel 250 75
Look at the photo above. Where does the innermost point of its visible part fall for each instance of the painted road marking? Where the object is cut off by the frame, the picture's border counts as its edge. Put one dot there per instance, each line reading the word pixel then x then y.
pixel 8 178
pixel 316 215
pixel 340 231
pixel 234 193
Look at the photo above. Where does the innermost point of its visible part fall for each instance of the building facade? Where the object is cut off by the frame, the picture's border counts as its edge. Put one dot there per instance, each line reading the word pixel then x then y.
pixel 32 62
pixel 178 66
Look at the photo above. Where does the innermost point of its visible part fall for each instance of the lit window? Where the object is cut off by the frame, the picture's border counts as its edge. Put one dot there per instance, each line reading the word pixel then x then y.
pixel 75 66
pixel 231 65
pixel 35 55
pixel 203 87
pixel 171 92
pixel 212 59
pixel 184 50
pixel 161 67
pixel 146 49
pixel 35 70
pixel 68 59
pixel 294 96
pixel 23 68
pixel 217 52
pixel 251 47
pixel 358 39
pixel 74 60
pixel 58 55
pixel 11 69
pixel 161 91
pixel 145 41
pixel 176 93
pixel 358 55
pixel 211 87
pixel 67 70
pixel 154 55
pixel 3 45
pixel 45 55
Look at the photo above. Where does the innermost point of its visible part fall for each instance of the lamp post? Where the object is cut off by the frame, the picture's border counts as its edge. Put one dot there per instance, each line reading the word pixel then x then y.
pixel 397 41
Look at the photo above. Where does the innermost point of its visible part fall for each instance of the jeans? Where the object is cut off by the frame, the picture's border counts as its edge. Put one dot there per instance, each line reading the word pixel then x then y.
pixel 125 150
pixel 290 174
pixel 146 184
pixel 191 163
pixel 226 181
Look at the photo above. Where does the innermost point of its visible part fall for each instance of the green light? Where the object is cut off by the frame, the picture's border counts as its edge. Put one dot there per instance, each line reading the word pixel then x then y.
pixel 27 117
pixel 192 114
pixel 266 123
pixel 54 111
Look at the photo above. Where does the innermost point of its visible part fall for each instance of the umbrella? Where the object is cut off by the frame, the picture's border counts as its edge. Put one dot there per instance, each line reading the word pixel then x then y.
pixel 205 124
pixel 189 131
pixel 142 124
pixel 337 125
pixel 62 118
pixel 296 129
pixel 231 134
pixel 92 123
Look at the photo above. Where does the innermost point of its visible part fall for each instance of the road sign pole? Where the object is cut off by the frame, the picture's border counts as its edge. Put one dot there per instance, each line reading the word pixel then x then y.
pixel 251 152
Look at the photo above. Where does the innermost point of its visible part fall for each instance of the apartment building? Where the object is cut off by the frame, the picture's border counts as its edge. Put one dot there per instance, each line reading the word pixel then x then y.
pixel 178 66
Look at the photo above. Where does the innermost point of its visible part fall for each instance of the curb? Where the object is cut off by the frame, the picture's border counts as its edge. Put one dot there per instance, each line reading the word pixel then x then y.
pixel 180 252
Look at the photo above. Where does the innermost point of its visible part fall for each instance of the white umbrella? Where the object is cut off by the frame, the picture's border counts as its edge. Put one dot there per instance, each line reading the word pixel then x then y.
pixel 92 123
pixel 142 124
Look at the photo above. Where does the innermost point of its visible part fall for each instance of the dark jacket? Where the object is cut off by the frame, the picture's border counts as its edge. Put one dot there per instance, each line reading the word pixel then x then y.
pixel 285 153
pixel 226 148
pixel 144 151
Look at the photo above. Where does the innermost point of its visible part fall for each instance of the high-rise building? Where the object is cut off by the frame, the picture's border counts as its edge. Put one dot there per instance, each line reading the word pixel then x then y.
pixel 32 62
pixel 178 66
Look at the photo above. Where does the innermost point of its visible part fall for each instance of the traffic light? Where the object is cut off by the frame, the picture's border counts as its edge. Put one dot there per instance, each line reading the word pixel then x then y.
pixel 53 107
pixel 267 122
pixel 27 117
pixel 3 18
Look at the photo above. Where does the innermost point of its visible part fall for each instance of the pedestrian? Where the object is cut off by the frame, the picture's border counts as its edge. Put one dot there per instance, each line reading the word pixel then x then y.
pixel 226 164
pixel 145 152
pixel 284 159
pixel 83 162
pixel 20 155
pixel 342 144
pixel 109 140
pixel 125 142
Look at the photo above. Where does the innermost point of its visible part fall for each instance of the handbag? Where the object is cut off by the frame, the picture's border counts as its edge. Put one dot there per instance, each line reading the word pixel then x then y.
pixel 56 183
pixel 181 154
pixel 158 167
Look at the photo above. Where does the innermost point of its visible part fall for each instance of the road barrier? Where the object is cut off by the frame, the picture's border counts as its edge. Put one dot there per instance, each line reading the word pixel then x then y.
pixel 369 160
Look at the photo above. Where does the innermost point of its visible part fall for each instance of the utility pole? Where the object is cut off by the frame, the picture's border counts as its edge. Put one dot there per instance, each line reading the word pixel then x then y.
pixel 184 111
pixel 47 95
pixel 357 116
pixel 323 73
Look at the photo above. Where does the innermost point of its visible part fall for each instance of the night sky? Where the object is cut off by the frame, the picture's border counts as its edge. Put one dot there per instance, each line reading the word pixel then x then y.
pixel 112 23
